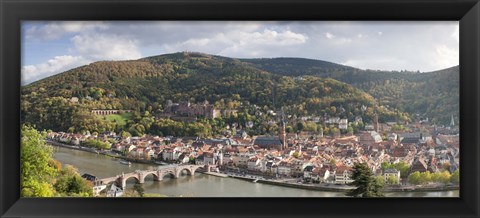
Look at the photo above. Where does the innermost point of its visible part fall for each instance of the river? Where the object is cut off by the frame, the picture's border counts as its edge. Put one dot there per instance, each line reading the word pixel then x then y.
pixel 199 185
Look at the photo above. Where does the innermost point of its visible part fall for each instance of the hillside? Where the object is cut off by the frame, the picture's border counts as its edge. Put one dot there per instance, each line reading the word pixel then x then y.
pixel 432 94
pixel 145 85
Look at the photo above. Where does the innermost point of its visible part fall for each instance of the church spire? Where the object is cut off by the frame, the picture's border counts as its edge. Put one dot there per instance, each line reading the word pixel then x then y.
pixel 283 134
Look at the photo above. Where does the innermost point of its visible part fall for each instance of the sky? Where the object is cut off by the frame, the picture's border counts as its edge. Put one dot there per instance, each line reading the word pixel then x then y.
pixel 52 47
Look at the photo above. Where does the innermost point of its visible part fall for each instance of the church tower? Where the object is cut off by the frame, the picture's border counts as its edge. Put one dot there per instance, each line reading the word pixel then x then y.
pixel 375 122
pixel 452 122
pixel 282 132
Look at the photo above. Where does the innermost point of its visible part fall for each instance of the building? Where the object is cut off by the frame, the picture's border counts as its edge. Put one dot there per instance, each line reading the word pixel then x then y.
pixel 391 173
pixel 343 175
pixel 253 163
pixel 284 169
pixel 307 173
pixel 343 124
pixel 419 165
pixel 410 138
pixel 320 174
pixel 268 142
pixel 209 158
pixel 192 110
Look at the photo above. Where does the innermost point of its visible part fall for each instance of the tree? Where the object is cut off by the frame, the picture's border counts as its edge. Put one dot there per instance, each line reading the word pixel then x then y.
pixel 414 178
pixel 73 185
pixel 425 177
pixel 444 177
pixel 392 180
pixel 350 129
pixel 333 161
pixel 41 175
pixel 455 178
pixel 380 180
pixel 125 134
pixel 403 168
pixel 366 183
pixel 139 189
pixel 36 174
pixel 400 166
pixel 300 126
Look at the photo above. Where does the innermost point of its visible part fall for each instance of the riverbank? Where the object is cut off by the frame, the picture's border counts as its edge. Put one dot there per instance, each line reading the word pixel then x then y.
pixel 283 183
pixel 343 188
pixel 216 174
pixel 91 150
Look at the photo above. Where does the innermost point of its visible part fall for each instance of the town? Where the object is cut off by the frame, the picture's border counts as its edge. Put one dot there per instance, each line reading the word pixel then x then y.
pixel 418 154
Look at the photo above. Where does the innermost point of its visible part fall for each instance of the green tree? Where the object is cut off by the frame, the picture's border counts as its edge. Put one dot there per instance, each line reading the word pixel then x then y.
pixel 36 174
pixel 392 180
pixel 125 134
pixel 400 166
pixel 41 175
pixel 444 177
pixel 403 167
pixel 455 178
pixel 73 185
pixel 94 143
pixel 366 183
pixel 300 126
pixel 380 180
pixel 415 178
pixel 139 189
pixel 425 177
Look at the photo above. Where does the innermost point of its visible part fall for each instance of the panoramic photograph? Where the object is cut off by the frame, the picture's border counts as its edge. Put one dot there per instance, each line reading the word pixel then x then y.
pixel 192 109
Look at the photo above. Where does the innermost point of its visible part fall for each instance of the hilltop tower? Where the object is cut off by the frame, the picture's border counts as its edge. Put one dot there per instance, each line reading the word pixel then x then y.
pixel 452 122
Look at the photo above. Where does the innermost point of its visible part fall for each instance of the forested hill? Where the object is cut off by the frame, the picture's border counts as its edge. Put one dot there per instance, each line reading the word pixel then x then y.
pixel 431 94
pixel 146 84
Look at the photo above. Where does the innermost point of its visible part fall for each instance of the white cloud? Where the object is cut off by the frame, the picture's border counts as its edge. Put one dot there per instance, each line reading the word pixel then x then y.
pixel 329 35
pixel 241 43
pixel 424 46
pixel 456 33
pixel 55 30
pixel 445 57
pixel 106 47
pixel 196 42
pixel 376 63
pixel 271 37
pixel 53 66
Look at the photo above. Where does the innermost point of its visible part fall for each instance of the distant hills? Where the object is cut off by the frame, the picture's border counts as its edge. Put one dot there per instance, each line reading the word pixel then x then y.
pixel 431 94
pixel 301 86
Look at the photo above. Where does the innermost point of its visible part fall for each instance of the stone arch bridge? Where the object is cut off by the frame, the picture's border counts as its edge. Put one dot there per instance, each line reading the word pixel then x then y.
pixel 175 171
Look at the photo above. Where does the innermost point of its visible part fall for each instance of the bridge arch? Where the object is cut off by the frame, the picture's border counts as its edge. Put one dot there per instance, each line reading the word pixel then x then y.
pixel 191 169
pixel 154 173
pixel 180 170
pixel 125 178
pixel 163 173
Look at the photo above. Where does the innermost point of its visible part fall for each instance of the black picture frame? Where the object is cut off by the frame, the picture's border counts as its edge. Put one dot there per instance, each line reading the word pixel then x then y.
pixel 12 12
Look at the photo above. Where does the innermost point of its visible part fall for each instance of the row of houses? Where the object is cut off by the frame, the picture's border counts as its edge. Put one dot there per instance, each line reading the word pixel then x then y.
pixel 317 159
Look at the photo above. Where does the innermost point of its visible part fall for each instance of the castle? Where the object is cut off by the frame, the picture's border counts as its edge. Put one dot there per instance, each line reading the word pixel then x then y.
pixel 192 110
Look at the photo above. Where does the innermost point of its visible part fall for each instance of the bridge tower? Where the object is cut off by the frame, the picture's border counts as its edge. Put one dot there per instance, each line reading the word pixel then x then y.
pixel 123 182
